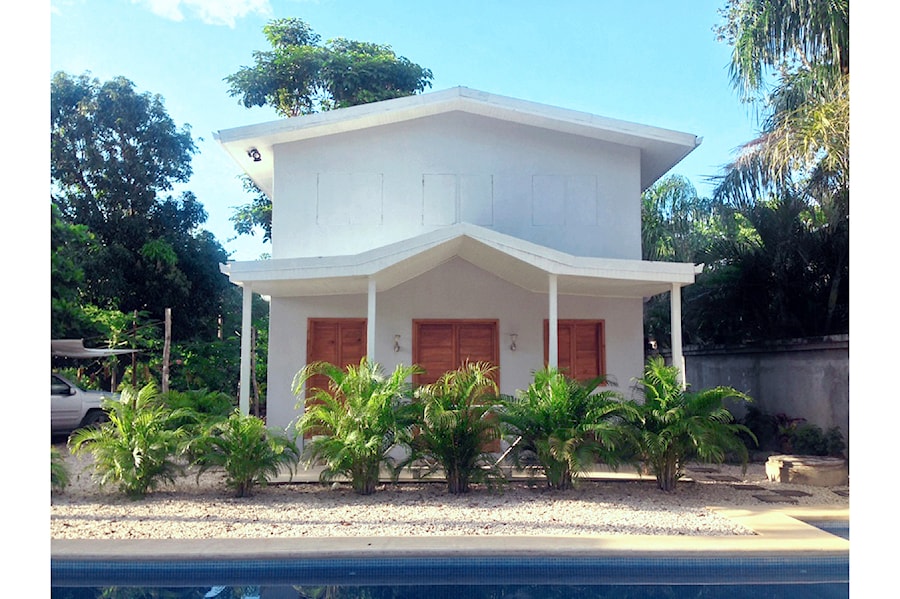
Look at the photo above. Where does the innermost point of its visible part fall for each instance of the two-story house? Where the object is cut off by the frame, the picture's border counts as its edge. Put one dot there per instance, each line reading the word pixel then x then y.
pixel 455 225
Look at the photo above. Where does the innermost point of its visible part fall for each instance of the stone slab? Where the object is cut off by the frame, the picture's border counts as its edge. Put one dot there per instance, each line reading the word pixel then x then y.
pixel 775 498
pixel 816 471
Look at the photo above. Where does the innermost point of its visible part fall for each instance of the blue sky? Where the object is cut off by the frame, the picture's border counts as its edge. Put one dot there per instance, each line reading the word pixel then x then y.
pixel 650 61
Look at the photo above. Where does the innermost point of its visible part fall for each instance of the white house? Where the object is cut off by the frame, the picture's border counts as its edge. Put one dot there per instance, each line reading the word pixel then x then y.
pixel 455 225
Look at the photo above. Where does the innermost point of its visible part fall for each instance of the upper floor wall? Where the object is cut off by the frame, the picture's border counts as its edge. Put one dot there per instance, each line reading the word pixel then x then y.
pixel 359 178
pixel 356 191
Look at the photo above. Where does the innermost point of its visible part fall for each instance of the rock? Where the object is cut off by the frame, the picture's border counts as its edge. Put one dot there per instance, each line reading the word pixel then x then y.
pixel 816 471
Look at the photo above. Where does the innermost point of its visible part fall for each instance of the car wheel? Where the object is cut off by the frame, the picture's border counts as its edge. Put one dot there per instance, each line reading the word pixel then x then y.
pixel 94 418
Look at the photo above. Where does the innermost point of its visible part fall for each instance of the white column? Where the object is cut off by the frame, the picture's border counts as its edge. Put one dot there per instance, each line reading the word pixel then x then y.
pixel 677 355
pixel 370 323
pixel 553 339
pixel 246 333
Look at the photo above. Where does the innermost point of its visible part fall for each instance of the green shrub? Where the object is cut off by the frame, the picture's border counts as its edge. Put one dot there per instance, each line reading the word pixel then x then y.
pixel 357 421
pixel 137 448
pixel 249 453
pixel 676 426
pixel 457 422
pixel 200 407
pixel 568 425
pixel 808 439
pixel 59 474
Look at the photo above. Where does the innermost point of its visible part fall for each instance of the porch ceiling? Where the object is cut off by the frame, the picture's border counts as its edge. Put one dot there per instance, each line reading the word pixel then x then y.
pixel 519 262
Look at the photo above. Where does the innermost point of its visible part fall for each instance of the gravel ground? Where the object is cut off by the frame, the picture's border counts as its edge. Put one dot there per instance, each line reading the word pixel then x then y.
pixel 207 509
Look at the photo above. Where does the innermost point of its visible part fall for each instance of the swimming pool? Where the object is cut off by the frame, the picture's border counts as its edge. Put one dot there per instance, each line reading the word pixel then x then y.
pixel 479 577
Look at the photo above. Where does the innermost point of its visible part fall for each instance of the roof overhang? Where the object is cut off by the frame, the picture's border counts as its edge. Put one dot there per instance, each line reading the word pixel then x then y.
pixel 661 149
pixel 519 262
pixel 74 348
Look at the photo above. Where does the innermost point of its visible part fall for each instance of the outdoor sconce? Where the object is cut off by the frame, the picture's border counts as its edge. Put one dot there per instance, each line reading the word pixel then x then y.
pixel 254 154
pixel 396 343
pixel 513 337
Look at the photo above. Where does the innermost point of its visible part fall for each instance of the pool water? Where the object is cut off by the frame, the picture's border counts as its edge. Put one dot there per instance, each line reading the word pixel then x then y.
pixel 459 578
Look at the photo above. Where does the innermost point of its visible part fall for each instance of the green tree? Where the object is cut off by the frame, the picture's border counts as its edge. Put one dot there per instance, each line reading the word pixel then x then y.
pixel 250 454
pixel 674 425
pixel 357 421
pixel 302 75
pixel 457 423
pixel 793 59
pixel 114 152
pixel 568 425
pixel 137 448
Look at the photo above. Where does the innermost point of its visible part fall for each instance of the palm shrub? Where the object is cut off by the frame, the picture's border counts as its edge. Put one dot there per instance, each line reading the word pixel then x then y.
pixel 59 474
pixel 249 453
pixel 356 421
pixel 138 447
pixel 457 421
pixel 569 425
pixel 675 426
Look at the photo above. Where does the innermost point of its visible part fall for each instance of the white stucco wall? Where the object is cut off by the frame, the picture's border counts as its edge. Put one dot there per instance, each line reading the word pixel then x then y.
pixel 351 192
pixel 456 289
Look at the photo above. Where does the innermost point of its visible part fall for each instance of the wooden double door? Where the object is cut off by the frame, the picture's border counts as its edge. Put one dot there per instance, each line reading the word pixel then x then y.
pixel 438 345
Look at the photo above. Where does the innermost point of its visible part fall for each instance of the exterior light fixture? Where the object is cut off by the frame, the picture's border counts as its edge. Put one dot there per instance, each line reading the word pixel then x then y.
pixel 254 154
pixel 396 343
pixel 513 337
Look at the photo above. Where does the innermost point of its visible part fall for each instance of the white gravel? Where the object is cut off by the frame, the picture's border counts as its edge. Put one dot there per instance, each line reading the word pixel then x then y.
pixel 192 510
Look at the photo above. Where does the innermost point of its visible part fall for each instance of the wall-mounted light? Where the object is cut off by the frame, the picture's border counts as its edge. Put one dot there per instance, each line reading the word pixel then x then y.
pixel 512 341
pixel 254 154
pixel 396 343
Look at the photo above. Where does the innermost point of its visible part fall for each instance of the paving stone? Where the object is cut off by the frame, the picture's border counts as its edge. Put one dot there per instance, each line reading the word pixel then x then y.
pixel 791 493
pixel 723 478
pixel 702 469
pixel 775 498
pixel 748 487
pixel 842 492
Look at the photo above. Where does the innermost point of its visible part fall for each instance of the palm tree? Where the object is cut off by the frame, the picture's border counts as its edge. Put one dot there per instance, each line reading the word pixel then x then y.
pixel 139 445
pixel 675 426
pixel 250 453
pixel 457 423
pixel 568 425
pixel 357 421
pixel 805 44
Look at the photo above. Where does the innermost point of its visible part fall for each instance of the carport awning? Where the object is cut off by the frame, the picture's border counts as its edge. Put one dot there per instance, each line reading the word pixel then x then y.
pixel 519 262
pixel 74 348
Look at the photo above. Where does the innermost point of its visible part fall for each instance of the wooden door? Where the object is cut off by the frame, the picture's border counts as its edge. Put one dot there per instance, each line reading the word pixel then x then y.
pixel 443 345
pixel 582 348
pixel 339 341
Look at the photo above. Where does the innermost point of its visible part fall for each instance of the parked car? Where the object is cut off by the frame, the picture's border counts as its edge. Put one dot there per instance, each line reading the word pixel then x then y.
pixel 72 407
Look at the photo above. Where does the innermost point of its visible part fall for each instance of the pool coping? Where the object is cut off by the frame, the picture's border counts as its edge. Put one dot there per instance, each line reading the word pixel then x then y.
pixel 780 531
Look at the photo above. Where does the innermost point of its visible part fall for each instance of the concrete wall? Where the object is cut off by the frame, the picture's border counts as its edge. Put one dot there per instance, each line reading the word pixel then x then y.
pixel 360 190
pixel 803 379
pixel 456 289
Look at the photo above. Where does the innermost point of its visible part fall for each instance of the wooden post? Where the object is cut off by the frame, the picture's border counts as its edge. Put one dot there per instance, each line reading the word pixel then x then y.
pixel 166 350
pixel 253 380
pixel 134 354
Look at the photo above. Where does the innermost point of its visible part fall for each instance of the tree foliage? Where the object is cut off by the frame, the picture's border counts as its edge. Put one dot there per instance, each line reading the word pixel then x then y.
pixel 356 421
pixel 458 421
pixel 302 75
pixel 803 48
pixel 114 153
pixel 567 424
pixel 137 448
pixel 675 425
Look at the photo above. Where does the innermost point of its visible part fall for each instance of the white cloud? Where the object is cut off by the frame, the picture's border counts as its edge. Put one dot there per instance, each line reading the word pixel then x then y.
pixel 211 12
